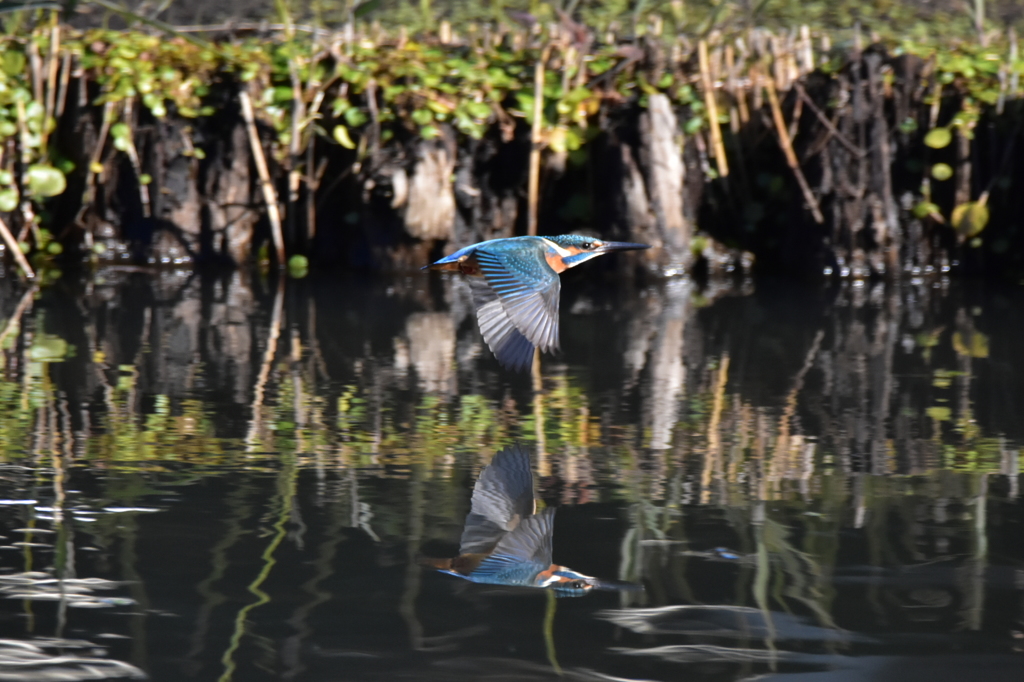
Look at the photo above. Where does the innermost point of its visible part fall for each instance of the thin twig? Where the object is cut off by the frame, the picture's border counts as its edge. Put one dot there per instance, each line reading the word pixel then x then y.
pixel 273 334
pixel 717 146
pixel 97 152
pixel 843 140
pixel 269 193
pixel 51 80
pixel 787 148
pixel 133 156
pixel 12 245
pixel 536 142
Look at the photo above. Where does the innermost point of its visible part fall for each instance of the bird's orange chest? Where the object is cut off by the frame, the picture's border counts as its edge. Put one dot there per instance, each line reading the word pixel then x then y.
pixel 555 262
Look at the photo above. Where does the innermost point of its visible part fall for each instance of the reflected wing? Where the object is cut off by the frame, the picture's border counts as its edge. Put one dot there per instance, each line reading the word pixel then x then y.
pixel 502 498
pixel 526 550
pixel 526 308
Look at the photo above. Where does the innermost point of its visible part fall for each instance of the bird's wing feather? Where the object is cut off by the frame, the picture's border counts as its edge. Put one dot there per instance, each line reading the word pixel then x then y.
pixel 509 346
pixel 531 539
pixel 528 291
pixel 502 498
pixel 529 545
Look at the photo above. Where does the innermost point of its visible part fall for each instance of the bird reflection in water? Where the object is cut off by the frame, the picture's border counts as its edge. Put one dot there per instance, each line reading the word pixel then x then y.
pixel 506 541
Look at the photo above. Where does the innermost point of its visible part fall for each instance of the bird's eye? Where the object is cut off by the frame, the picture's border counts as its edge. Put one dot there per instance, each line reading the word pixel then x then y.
pixel 588 245
pixel 579 584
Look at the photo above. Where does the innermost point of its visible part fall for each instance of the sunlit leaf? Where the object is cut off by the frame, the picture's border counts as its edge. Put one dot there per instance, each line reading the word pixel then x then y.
pixel 937 138
pixel 973 344
pixel 8 199
pixel 942 171
pixel 45 181
pixel 48 348
pixel 923 209
pixel 341 136
pixel 970 219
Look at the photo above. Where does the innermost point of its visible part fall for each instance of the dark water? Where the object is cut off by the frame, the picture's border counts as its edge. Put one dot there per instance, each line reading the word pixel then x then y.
pixel 222 479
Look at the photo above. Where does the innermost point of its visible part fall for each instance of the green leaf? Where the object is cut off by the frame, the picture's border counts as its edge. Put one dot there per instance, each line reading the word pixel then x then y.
pixel 13 63
pixel 355 117
pixel 942 171
pixel 974 344
pixel 145 179
pixel 429 132
pixel 48 348
pixel 478 110
pixel 298 266
pixel 422 116
pixel 937 138
pixel 45 181
pixel 341 136
pixel 970 218
pixel 365 8
pixel 925 208
pixel 693 125
pixel 908 125
pixel 281 94
pixel 8 199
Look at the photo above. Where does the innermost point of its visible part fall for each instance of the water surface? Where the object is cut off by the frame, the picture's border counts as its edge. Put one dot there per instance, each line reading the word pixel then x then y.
pixel 236 479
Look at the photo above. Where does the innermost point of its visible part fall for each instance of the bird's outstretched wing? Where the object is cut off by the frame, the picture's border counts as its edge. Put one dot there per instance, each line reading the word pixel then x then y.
pixel 502 498
pixel 527 548
pixel 509 346
pixel 522 310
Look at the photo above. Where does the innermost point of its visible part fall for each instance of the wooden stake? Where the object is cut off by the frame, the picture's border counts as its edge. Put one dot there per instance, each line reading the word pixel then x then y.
pixel 536 142
pixel 806 50
pixel 787 148
pixel 1014 51
pixel 62 91
pixel 51 80
pixel 269 193
pixel 543 463
pixel 712 462
pixel 738 114
pixel 718 148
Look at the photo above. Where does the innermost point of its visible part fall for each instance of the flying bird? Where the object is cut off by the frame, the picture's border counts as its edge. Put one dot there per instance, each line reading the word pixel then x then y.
pixel 516 288
pixel 505 541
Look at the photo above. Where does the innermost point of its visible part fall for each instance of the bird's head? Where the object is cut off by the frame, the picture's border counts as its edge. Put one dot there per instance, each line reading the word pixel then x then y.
pixel 566 582
pixel 577 248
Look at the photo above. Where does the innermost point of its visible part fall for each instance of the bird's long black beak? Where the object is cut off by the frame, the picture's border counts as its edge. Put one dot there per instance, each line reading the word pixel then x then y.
pixel 608 247
pixel 616 586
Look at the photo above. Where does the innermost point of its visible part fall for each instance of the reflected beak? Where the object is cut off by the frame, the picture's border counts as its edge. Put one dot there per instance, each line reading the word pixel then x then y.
pixel 616 586
pixel 608 247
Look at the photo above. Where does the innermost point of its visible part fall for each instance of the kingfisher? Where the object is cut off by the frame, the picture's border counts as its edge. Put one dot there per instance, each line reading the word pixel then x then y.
pixel 516 288
pixel 505 540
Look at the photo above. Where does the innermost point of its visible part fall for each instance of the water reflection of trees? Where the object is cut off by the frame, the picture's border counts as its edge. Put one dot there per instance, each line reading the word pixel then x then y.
pixel 782 419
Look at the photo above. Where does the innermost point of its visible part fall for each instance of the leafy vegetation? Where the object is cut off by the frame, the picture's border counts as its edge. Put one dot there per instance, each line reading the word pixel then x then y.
pixel 365 87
